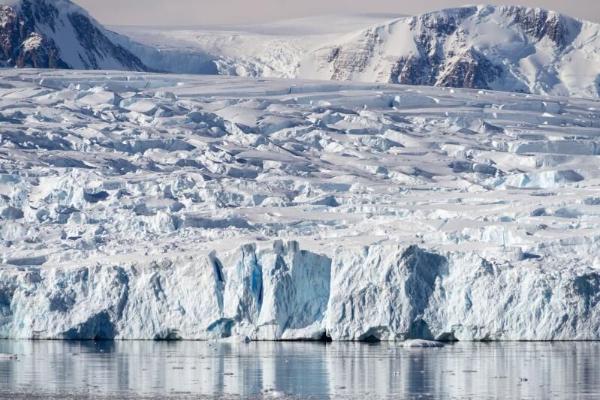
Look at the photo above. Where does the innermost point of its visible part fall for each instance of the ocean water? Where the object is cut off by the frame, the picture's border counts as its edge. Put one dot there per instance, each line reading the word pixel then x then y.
pixel 216 370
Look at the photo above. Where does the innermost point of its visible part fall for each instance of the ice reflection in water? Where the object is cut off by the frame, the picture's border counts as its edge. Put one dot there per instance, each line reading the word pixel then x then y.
pixel 338 370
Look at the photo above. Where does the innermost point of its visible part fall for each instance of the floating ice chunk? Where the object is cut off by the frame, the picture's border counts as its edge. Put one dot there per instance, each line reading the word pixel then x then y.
pixel 421 344
pixel 236 339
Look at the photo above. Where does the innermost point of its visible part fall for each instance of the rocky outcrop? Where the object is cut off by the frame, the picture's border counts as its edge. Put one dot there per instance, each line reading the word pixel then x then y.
pixel 542 24
pixel 470 70
pixel 466 66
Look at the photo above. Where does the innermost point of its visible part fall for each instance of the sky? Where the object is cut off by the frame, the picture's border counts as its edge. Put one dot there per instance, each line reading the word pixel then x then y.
pixel 215 12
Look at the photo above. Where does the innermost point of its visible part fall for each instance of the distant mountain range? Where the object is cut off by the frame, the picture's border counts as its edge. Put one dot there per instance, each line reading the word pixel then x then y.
pixel 485 47
pixel 503 48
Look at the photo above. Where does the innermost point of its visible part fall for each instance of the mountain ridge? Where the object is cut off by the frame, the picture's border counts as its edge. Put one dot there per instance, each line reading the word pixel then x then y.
pixel 58 34
pixel 513 48
pixel 506 48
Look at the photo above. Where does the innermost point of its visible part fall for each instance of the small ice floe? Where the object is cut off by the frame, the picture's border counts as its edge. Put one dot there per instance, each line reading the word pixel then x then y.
pixel 8 357
pixel 273 394
pixel 236 339
pixel 421 344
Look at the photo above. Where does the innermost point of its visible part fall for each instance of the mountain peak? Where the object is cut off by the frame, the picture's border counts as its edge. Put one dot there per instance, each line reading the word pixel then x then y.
pixel 511 48
pixel 43 9
pixel 536 22
pixel 483 10
pixel 57 34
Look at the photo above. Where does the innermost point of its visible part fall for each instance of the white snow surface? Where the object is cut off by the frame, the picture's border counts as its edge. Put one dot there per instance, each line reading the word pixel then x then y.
pixel 509 48
pixel 141 206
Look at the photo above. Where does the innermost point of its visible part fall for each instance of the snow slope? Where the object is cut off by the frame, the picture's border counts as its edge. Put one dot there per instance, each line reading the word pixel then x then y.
pixel 140 206
pixel 508 48
pixel 267 50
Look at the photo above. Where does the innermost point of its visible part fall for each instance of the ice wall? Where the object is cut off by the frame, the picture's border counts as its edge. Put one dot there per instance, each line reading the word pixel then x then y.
pixel 285 293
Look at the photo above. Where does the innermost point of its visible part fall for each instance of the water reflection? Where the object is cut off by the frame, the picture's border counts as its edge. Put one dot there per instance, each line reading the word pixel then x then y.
pixel 347 370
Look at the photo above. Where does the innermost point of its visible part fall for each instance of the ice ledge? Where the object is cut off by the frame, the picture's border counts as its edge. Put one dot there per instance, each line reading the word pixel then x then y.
pixel 284 293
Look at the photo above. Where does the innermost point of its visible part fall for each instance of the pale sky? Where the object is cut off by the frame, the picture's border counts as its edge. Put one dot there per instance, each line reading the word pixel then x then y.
pixel 203 12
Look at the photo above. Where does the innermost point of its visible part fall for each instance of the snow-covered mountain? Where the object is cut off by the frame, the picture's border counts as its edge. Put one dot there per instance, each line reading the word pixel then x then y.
pixel 58 34
pixel 505 48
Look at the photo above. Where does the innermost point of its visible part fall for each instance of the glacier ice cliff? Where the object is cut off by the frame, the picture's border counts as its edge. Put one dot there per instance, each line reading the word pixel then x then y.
pixel 375 293
pixel 149 206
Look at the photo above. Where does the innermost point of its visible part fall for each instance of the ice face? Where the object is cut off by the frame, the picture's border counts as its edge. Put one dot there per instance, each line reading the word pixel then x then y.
pixel 141 206
pixel 377 293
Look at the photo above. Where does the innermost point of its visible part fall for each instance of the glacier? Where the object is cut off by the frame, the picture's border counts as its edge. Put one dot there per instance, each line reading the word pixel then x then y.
pixel 167 207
